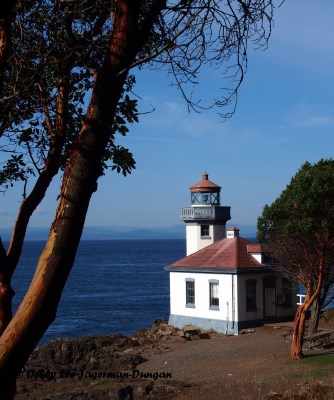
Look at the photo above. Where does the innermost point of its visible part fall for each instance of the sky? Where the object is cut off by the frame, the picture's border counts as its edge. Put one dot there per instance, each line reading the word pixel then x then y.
pixel 284 117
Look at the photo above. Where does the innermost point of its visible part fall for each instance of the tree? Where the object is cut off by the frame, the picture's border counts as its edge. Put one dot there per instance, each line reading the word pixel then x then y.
pixel 299 228
pixel 58 51
pixel 325 297
pixel 7 15
pixel 42 108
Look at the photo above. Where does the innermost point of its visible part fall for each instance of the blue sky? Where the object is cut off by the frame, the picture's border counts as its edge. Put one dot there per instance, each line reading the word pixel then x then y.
pixel 283 118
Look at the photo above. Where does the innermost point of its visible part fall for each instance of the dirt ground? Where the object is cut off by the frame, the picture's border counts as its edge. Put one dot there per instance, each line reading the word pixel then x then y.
pixel 250 366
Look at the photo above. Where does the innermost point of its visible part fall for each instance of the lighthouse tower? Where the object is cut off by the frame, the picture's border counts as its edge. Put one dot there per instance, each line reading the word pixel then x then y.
pixel 206 218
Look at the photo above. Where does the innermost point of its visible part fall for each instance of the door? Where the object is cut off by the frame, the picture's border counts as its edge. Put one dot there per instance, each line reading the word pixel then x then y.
pixel 269 302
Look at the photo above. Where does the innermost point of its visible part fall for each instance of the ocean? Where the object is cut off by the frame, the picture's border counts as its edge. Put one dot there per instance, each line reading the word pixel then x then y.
pixel 116 286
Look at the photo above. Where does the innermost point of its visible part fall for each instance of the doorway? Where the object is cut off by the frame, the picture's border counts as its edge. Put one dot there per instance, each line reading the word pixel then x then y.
pixel 269 297
pixel 269 302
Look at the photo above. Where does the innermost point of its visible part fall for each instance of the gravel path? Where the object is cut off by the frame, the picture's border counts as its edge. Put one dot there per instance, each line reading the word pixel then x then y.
pixel 234 367
pixel 248 366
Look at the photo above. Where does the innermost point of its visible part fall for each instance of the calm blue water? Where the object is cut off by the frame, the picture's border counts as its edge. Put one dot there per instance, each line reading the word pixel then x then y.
pixel 114 287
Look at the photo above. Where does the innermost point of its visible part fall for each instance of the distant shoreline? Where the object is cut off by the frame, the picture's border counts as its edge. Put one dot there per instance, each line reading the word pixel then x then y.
pixel 124 233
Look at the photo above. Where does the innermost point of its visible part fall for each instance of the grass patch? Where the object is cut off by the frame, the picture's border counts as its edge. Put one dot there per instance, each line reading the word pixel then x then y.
pixel 320 365
pixel 319 360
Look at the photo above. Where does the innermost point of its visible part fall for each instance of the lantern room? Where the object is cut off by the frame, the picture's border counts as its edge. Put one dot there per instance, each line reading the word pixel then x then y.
pixel 205 192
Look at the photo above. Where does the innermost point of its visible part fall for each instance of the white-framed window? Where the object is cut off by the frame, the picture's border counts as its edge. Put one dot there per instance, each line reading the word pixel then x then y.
pixel 190 292
pixel 205 231
pixel 214 294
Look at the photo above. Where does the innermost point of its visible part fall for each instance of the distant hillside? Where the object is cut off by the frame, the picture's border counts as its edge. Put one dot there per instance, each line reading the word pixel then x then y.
pixel 114 233
pixel 108 233
pixel 121 233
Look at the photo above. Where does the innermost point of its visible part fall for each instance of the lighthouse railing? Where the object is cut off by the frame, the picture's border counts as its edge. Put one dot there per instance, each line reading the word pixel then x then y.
pixel 205 212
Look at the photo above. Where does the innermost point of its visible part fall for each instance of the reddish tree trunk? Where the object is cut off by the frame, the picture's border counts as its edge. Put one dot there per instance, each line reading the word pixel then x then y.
pixel 39 306
pixel 9 260
pixel 298 334
pixel 300 318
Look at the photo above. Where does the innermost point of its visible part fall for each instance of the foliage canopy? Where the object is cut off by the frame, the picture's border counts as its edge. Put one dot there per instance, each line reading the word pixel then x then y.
pixel 299 228
pixel 302 217
pixel 306 206
pixel 58 47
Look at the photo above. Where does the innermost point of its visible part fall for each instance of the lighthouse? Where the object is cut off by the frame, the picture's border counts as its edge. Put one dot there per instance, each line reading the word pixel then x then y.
pixel 205 219
pixel 225 282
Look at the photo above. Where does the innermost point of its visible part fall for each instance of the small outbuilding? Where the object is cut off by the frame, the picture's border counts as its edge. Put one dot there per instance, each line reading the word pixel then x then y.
pixel 225 283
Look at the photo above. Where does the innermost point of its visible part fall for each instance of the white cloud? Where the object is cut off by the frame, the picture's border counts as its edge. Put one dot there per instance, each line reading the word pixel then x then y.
pixel 316 121
pixel 309 115
pixel 181 124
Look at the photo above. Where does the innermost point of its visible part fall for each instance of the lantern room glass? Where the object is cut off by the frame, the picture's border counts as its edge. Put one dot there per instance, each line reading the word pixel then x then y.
pixel 206 198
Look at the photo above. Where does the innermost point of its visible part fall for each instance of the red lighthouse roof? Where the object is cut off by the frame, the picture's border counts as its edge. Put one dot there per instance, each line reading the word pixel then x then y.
pixel 205 185
pixel 224 256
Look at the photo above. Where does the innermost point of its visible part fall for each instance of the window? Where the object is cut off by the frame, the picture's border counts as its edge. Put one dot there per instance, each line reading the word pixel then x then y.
pixel 250 295
pixel 195 198
pixel 205 231
pixel 205 198
pixel 214 294
pixel 190 292
pixel 287 292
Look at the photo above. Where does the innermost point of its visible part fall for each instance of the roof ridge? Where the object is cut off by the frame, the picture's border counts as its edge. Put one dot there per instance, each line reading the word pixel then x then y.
pixel 236 249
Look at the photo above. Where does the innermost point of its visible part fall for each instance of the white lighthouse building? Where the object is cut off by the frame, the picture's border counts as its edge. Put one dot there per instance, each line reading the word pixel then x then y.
pixel 225 283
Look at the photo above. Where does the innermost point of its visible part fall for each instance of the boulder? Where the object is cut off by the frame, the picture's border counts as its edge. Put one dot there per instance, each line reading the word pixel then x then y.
pixel 89 353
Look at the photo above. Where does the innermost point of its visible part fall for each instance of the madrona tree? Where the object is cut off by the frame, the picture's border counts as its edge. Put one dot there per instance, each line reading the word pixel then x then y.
pixel 42 108
pixel 54 55
pixel 299 228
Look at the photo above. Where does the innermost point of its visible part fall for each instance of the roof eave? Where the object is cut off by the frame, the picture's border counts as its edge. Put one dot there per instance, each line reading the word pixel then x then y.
pixel 237 271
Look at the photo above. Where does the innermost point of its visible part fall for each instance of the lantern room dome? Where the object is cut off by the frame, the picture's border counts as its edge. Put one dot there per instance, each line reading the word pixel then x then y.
pixel 205 192
pixel 205 185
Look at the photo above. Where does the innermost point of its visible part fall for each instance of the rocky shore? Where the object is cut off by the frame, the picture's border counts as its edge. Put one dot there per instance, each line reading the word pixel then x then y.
pixel 79 368
pixel 163 362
